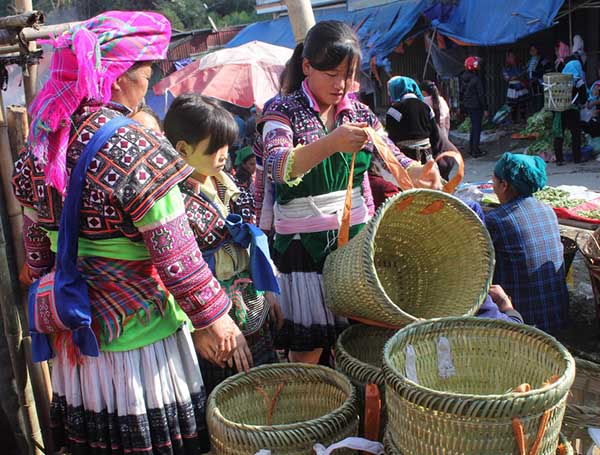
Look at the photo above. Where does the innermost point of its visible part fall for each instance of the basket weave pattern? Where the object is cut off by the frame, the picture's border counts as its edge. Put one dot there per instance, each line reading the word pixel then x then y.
pixel 470 412
pixel 310 404
pixel 558 91
pixel 359 355
pixel 583 405
pixel 425 254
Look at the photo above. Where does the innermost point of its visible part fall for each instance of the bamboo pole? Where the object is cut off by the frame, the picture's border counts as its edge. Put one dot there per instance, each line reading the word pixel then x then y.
pixel 18 129
pixel 30 72
pixel 32 34
pixel 9 305
pixel 301 16
pixel 26 19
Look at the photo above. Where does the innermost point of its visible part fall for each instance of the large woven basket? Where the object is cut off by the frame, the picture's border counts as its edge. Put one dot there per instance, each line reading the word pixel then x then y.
pixel 359 355
pixel 425 254
pixel 558 91
pixel 583 405
pixel 450 382
pixel 391 449
pixel 285 408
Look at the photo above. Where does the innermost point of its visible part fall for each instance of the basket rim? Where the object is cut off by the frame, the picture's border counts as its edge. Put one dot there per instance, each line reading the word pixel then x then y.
pixel 564 381
pixel 339 378
pixel 373 226
pixel 341 353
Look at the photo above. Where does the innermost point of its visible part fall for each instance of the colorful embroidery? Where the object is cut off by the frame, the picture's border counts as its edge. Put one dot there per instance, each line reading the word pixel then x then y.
pixel 184 272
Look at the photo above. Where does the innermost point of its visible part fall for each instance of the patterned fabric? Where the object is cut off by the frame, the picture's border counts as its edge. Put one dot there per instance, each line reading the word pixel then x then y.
pixel 294 120
pixel 174 252
pixel 39 258
pixel 134 170
pixel 529 261
pixel 149 400
pixel 206 222
pixel 89 58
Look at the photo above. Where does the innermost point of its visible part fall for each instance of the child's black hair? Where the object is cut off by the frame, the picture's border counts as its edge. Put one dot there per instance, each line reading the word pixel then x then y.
pixel 192 118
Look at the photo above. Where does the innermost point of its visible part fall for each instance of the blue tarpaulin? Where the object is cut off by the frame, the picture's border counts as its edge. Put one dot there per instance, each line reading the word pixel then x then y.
pixel 487 23
pixel 380 29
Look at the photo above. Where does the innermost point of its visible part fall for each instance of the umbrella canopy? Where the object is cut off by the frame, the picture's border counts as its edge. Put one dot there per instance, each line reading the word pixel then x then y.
pixel 245 75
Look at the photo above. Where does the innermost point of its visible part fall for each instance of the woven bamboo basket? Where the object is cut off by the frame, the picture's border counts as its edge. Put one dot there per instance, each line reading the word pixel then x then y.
pixel 583 405
pixel 450 387
pixel 285 408
pixel 391 449
pixel 359 355
pixel 425 255
pixel 558 91
pixel 589 246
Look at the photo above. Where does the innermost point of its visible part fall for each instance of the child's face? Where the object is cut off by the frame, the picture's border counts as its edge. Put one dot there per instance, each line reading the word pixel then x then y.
pixel 329 87
pixel 596 90
pixel 205 164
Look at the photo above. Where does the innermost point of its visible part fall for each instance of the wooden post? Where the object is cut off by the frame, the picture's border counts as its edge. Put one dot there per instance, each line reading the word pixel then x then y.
pixel 10 302
pixel 30 73
pixel 301 16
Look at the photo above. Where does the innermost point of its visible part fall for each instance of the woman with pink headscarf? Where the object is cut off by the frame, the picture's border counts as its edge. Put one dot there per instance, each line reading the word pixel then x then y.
pixel 115 309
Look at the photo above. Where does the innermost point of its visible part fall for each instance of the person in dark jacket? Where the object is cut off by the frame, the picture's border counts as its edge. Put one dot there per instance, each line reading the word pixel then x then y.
pixel 410 122
pixel 474 102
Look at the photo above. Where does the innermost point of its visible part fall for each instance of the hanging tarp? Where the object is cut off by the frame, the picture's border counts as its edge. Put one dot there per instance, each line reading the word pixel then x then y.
pixel 489 22
pixel 380 29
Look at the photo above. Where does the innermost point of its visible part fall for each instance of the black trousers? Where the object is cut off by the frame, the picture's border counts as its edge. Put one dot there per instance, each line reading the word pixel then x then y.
pixel 570 120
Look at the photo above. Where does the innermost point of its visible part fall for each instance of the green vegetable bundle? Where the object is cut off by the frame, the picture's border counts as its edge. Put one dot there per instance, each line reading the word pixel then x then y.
pixel 557 198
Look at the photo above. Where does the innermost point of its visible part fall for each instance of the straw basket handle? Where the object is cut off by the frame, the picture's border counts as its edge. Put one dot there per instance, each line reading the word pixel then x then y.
pixel 400 174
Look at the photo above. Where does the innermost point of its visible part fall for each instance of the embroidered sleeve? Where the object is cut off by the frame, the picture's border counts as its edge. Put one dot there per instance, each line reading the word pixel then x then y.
pixel 175 253
pixel 278 152
pixel 259 184
pixel 145 168
pixel 368 194
pixel 38 256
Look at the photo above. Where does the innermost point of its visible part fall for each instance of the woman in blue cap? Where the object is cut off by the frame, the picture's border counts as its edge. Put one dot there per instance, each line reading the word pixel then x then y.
pixel 526 237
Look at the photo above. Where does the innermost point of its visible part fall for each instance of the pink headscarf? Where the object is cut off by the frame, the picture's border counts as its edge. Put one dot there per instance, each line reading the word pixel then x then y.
pixel 89 58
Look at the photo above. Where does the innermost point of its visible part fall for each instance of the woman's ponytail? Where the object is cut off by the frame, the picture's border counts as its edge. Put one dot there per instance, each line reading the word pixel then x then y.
pixel 294 72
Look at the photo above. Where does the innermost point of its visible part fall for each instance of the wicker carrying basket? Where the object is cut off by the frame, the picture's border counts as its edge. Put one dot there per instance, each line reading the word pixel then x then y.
pixel 425 254
pixel 391 449
pixel 461 400
pixel 583 405
pixel 285 408
pixel 359 355
pixel 558 91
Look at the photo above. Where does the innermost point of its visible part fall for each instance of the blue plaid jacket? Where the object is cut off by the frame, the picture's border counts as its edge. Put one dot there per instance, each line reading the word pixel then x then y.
pixel 529 261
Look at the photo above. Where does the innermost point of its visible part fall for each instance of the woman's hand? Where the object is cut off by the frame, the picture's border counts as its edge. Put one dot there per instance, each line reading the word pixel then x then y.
pixel 349 137
pixel 242 356
pixel 217 342
pixel 426 176
pixel 274 310
pixel 26 276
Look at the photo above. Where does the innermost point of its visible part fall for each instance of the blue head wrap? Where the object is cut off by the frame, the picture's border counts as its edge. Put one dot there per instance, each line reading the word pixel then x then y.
pixel 526 174
pixel 574 67
pixel 399 86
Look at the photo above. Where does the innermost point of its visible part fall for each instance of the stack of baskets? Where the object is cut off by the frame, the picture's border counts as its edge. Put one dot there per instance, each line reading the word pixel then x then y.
pixel 285 408
pixel 450 388
pixel 558 91
pixel 424 255
pixel 359 355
